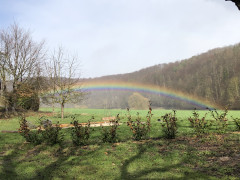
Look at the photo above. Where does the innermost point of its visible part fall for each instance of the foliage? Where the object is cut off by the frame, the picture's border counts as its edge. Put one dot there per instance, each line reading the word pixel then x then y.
pixel 79 133
pixel 137 101
pixel 34 137
pixel 237 123
pixel 27 97
pixel 51 133
pixel 109 134
pixel 220 120
pixel 200 125
pixel 169 125
pixel 21 59
pixel 139 129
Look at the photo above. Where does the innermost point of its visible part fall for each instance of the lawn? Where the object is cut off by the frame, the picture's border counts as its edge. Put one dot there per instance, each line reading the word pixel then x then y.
pixel 212 156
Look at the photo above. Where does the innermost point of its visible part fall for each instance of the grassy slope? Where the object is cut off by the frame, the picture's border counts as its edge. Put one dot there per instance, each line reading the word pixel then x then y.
pixel 184 158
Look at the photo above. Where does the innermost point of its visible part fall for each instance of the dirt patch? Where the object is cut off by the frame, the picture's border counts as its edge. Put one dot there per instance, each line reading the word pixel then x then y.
pixel 92 124
pixel 108 118
pixel 84 114
pixel 236 132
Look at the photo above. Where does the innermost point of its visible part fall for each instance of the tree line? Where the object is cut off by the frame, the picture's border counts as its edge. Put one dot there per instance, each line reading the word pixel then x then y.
pixel 213 75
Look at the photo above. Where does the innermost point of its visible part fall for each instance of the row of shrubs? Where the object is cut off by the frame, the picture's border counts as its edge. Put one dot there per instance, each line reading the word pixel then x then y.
pixel 51 134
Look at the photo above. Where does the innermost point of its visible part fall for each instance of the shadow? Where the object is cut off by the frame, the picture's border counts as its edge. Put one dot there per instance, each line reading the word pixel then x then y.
pixel 141 150
pixel 143 173
pixel 8 165
pixel 10 162
pixel 48 172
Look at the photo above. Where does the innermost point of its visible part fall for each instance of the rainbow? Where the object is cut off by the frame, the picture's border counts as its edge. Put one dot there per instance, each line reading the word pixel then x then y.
pixel 145 88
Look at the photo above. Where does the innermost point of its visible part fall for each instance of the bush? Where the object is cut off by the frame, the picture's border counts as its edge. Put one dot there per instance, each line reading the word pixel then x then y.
pixel 169 125
pixel 51 134
pixel 34 136
pixel 220 120
pixel 109 134
pixel 237 123
pixel 80 134
pixel 27 97
pixel 140 129
pixel 200 125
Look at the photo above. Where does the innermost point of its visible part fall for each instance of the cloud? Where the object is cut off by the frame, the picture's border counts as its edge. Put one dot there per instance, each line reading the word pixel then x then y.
pixel 114 37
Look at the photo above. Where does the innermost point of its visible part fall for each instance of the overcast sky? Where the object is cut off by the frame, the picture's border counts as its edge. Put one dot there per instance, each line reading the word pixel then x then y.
pixel 121 36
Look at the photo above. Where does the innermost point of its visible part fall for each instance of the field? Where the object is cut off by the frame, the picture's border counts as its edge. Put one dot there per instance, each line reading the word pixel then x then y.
pixel 211 156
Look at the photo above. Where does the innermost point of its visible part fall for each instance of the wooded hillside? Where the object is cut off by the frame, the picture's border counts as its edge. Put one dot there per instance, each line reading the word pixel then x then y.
pixel 214 75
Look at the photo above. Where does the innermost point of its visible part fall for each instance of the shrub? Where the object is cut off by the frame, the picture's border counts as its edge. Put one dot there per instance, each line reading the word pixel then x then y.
pixel 109 134
pixel 51 133
pixel 137 101
pixel 169 125
pixel 220 120
pixel 237 123
pixel 200 125
pixel 27 97
pixel 79 133
pixel 34 136
pixel 139 129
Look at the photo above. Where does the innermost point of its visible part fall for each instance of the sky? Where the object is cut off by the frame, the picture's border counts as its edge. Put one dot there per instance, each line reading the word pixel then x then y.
pixel 122 36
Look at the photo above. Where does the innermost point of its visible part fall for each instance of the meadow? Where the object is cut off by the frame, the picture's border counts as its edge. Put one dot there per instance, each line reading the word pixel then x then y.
pixel 188 156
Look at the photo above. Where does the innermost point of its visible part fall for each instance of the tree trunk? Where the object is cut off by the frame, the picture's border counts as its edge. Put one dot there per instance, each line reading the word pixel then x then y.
pixel 14 98
pixel 62 110
pixel 3 92
pixel 53 106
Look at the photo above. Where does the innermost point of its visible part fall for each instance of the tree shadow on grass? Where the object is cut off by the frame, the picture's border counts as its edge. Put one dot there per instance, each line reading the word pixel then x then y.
pixel 60 165
pixel 167 168
pixel 8 165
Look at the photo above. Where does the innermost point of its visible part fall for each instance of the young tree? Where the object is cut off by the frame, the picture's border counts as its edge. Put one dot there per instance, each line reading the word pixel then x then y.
pixel 63 76
pixel 21 57
pixel 137 101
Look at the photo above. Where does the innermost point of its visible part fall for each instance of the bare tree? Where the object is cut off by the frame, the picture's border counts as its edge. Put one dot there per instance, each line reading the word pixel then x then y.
pixel 21 56
pixel 63 77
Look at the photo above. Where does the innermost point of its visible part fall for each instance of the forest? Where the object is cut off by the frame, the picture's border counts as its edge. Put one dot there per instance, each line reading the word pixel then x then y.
pixel 213 75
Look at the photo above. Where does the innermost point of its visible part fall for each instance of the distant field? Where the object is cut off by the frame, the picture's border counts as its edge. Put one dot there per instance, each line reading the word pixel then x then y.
pixel 83 115
pixel 186 157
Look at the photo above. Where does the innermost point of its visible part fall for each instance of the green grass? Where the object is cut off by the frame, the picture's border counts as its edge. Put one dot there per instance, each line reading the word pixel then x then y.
pixel 187 157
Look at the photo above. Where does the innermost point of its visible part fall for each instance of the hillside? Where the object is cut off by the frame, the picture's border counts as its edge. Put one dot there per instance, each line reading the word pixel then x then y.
pixel 213 75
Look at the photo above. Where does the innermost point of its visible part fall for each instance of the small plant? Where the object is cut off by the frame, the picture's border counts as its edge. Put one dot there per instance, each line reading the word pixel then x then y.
pixel 140 129
pixel 109 134
pixel 237 123
pixel 200 125
pixel 220 120
pixel 169 125
pixel 51 133
pixel 34 136
pixel 79 133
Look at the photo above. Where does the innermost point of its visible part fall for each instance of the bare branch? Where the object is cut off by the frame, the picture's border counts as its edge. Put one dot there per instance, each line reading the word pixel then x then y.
pixel 62 74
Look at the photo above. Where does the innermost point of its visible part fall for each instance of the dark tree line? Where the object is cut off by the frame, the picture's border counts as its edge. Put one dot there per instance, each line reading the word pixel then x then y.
pixel 214 75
